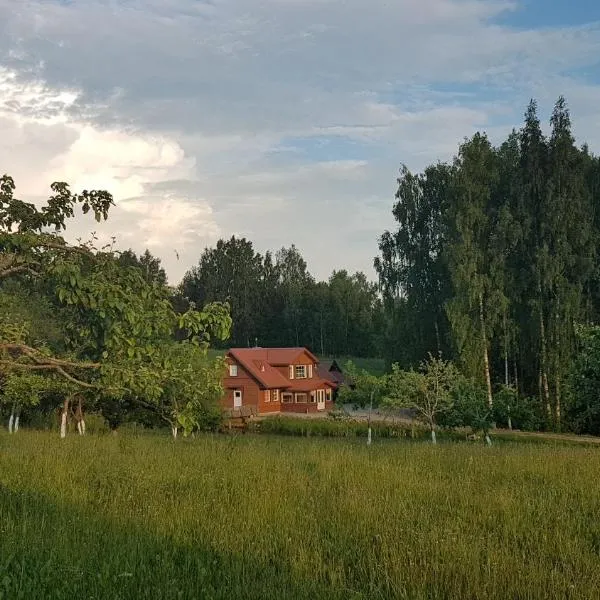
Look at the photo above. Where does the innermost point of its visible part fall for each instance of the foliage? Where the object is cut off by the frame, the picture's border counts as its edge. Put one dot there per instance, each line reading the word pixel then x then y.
pixel 368 389
pixel 492 263
pixel 429 392
pixel 583 408
pixel 524 413
pixel 347 427
pixel 122 338
pixel 276 302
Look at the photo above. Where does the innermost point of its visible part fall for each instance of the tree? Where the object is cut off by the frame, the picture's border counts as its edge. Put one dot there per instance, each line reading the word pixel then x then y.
pixel 118 322
pixel 413 274
pixel 230 272
pixel 367 389
pixel 428 392
pixel 471 310
pixel 148 264
pixel 583 405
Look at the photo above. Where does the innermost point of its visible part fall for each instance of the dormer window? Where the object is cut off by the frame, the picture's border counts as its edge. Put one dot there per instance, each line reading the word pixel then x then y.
pixel 233 370
pixel 300 372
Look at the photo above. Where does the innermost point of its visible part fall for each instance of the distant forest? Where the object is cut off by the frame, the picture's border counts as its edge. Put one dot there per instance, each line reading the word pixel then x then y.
pixel 492 263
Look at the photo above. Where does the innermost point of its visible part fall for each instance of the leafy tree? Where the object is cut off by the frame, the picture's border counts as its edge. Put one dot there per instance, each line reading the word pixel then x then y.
pixel 118 322
pixel 428 392
pixel 413 274
pixel 472 307
pixel 583 405
pixel 230 273
pixel 148 264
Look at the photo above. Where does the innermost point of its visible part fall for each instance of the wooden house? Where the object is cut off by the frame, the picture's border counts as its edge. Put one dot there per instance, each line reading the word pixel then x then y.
pixel 276 380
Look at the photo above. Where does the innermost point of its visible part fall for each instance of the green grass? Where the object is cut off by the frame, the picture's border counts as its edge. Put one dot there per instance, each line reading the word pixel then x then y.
pixel 272 517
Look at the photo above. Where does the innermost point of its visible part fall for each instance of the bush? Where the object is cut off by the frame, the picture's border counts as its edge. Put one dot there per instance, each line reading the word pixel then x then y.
pixel 525 413
pixel 334 428
pixel 582 402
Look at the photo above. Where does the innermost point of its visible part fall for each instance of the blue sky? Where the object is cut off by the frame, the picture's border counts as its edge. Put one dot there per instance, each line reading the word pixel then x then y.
pixel 555 13
pixel 284 121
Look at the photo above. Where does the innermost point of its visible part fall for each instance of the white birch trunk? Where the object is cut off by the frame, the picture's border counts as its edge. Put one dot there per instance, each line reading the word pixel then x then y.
pixel 369 437
pixel 433 438
pixel 63 424
pixel 174 431
pixel 79 428
pixel 82 426
pixel 16 424
pixel 11 422
pixel 488 440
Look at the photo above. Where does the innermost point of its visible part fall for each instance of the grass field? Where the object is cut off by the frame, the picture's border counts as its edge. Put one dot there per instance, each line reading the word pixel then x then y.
pixel 270 517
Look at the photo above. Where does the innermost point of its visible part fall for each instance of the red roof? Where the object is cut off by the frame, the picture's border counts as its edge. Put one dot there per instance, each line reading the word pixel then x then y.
pixel 261 363
pixel 255 361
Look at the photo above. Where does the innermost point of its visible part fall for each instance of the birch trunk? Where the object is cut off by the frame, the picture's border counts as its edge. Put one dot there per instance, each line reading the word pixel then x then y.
pixel 486 362
pixel 557 409
pixel 11 422
pixel 506 379
pixel 63 418
pixel 545 387
pixel 174 432
pixel 17 418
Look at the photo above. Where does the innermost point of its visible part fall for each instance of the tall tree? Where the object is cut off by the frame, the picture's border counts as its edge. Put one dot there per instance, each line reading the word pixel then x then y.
pixel 472 310
pixel 229 272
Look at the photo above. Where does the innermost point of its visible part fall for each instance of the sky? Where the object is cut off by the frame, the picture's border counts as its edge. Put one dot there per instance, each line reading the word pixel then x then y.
pixel 283 121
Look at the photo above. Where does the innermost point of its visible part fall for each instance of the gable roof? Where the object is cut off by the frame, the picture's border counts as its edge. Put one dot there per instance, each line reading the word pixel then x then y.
pixel 284 356
pixel 256 362
pixel 332 372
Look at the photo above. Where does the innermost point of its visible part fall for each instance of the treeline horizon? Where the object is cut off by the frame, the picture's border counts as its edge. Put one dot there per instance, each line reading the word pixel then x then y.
pixel 492 264
pixel 494 260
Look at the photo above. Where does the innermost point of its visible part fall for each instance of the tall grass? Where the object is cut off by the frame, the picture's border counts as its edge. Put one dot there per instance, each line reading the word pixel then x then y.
pixel 261 517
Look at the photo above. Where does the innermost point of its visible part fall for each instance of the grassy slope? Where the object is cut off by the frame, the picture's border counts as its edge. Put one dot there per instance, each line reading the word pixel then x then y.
pixel 250 517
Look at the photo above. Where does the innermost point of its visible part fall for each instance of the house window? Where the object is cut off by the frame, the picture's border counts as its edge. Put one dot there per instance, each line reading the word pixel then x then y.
pixel 275 395
pixel 328 395
pixel 267 396
pixel 233 371
pixel 312 397
pixel 300 372
pixel 287 398
pixel 301 398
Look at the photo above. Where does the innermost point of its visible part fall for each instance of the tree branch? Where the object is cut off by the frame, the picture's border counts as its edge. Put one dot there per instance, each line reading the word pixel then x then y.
pixel 47 367
pixel 40 358
pixel 19 269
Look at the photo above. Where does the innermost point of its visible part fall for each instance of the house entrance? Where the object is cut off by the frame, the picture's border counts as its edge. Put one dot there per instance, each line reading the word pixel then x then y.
pixel 237 398
pixel 320 399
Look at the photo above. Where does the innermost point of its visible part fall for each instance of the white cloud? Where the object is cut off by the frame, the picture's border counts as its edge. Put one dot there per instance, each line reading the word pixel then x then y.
pixel 206 118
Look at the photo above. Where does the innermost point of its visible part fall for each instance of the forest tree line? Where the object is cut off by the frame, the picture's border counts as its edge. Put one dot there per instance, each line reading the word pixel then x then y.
pixel 494 261
pixel 492 267
pixel 276 302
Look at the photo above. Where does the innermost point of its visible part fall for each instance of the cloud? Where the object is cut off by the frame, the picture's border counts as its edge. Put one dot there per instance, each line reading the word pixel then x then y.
pixel 282 120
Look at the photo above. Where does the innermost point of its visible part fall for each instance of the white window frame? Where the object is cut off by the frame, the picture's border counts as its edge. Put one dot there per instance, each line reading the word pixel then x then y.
pixel 300 372
pixel 267 395
pixel 301 394
pixel 287 398
pixel 275 395
pixel 233 370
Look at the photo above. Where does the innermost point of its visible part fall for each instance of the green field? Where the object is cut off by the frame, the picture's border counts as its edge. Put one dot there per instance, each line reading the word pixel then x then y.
pixel 270 517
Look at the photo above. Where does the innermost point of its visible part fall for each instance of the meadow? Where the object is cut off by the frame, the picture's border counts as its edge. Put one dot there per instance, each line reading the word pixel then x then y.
pixel 248 516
